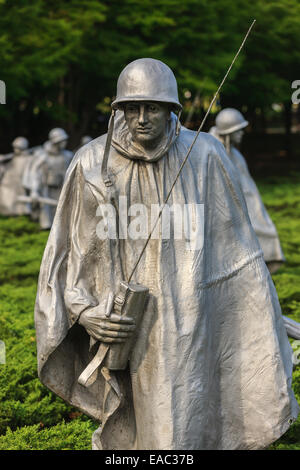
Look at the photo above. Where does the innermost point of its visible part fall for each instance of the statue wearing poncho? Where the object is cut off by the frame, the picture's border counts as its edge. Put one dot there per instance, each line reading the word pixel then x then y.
pixel 211 363
pixel 46 175
pixel 11 173
pixel 229 129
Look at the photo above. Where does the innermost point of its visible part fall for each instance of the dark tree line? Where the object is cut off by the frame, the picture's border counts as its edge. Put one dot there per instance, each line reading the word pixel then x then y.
pixel 60 59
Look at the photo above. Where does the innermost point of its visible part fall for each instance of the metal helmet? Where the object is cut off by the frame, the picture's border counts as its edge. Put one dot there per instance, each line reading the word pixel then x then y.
pixel 147 80
pixel 20 143
pixel 86 139
pixel 57 135
pixel 230 120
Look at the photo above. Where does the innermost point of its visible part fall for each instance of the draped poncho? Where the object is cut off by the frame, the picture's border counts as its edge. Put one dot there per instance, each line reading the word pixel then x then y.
pixel 211 364
pixel 263 226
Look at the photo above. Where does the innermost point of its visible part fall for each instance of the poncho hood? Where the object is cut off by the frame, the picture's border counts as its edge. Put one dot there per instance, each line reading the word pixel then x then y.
pixel 123 143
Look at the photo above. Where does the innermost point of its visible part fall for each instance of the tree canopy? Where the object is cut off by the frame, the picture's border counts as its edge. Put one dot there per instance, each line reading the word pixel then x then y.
pixel 60 59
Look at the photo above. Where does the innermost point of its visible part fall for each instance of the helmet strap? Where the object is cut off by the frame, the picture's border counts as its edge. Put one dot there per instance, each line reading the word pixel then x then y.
pixel 107 181
pixel 178 122
pixel 227 143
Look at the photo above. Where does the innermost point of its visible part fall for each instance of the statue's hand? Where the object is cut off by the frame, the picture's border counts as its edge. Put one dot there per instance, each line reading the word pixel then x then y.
pixel 112 329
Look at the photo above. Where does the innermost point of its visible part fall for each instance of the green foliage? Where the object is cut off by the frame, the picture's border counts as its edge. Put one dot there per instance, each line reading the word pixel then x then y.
pixel 21 247
pixel 25 402
pixel 75 435
pixel 32 417
pixel 282 200
pixel 272 59
pixel 44 41
pixel 61 59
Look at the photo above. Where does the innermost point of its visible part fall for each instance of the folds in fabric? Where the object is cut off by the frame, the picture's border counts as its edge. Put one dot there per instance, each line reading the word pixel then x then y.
pixel 211 364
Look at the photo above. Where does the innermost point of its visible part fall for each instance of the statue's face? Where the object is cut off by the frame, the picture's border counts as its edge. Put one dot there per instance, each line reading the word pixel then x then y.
pixel 17 150
pixel 236 137
pixel 146 121
pixel 62 145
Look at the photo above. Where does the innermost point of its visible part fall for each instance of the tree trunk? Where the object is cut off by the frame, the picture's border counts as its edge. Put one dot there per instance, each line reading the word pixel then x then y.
pixel 288 125
pixel 61 93
pixel 263 121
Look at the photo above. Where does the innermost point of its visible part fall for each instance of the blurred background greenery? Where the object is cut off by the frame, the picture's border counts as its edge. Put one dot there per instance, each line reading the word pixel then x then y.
pixel 60 61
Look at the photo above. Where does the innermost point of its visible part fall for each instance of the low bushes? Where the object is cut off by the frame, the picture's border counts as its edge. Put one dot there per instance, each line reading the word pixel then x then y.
pixel 31 417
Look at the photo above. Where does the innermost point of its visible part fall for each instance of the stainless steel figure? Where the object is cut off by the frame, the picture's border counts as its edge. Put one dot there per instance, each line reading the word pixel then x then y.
pixel 147 79
pixel 229 123
pixel 229 129
pixel 44 179
pixel 11 178
pixel 210 366
pixel 129 301
pixel 58 139
pixel 85 140
pixel 230 120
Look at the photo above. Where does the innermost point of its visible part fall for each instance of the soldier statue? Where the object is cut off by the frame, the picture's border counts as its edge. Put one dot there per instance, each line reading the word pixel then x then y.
pixel 13 167
pixel 229 128
pixel 86 139
pixel 45 177
pixel 83 141
pixel 209 364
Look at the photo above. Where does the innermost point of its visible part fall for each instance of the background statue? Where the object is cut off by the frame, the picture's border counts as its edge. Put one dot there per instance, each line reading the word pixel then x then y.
pixel 210 366
pixel 229 129
pixel 45 177
pixel 83 141
pixel 58 139
pixel 13 167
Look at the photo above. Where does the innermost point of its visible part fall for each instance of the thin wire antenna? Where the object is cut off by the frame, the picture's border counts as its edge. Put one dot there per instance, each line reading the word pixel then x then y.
pixel 190 149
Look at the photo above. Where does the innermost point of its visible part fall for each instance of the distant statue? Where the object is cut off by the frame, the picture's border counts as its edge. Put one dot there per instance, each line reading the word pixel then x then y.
pixel 83 141
pixel 46 175
pixel 58 139
pixel 179 346
pixel 213 131
pixel 12 168
pixel 228 128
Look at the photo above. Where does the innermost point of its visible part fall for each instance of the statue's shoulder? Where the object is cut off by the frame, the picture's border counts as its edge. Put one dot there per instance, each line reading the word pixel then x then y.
pixel 237 153
pixel 205 144
pixel 40 156
pixel 239 159
pixel 90 155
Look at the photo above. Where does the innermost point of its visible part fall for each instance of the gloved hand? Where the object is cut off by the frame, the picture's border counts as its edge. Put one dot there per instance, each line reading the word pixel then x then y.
pixel 112 329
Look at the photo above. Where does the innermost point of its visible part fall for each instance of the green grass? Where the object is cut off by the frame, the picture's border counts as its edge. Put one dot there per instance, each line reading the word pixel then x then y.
pixel 31 417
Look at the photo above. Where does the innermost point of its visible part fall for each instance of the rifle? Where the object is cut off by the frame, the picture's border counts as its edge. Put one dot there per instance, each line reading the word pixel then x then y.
pixel 40 200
